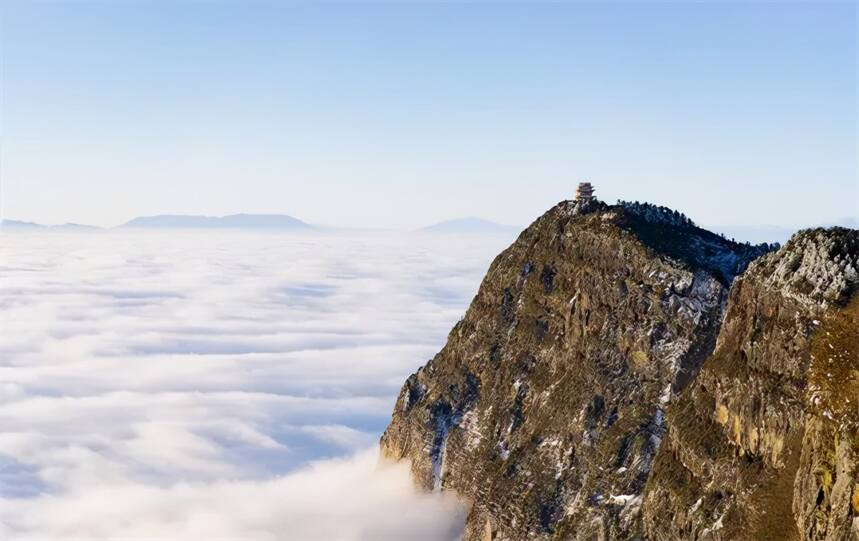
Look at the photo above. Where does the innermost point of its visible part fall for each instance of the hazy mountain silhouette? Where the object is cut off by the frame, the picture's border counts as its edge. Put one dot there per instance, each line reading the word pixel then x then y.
pixel 19 225
pixel 470 225
pixel 233 221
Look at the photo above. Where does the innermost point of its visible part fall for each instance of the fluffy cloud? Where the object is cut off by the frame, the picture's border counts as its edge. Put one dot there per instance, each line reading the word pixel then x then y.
pixel 219 385
pixel 350 499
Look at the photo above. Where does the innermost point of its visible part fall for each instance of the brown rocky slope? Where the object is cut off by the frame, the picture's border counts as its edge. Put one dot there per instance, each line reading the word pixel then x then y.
pixel 764 444
pixel 546 407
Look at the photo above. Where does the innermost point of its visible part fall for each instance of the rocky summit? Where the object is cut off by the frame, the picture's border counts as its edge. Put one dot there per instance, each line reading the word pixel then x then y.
pixel 621 375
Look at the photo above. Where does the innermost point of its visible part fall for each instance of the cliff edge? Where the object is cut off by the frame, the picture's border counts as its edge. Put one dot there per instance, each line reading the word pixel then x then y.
pixel 764 444
pixel 547 406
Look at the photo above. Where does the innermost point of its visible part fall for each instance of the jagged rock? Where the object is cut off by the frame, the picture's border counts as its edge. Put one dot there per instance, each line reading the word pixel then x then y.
pixel 546 406
pixel 764 443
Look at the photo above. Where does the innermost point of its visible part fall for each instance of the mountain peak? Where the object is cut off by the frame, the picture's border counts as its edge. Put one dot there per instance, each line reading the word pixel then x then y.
pixel 233 221
pixel 548 405
pixel 815 266
pixel 469 225
pixel 672 234
pixel 588 323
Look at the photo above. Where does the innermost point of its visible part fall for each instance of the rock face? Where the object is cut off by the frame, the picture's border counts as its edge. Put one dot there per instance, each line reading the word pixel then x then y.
pixel 547 406
pixel 763 444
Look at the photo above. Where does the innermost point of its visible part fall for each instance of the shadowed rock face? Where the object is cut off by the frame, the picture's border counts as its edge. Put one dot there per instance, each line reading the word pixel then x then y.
pixel 546 407
pixel 763 444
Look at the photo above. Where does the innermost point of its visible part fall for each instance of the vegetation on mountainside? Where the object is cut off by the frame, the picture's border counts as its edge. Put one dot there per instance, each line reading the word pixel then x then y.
pixel 600 387
pixel 834 372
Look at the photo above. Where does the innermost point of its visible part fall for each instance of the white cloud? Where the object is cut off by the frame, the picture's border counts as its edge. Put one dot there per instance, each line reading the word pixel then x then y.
pixel 346 499
pixel 190 385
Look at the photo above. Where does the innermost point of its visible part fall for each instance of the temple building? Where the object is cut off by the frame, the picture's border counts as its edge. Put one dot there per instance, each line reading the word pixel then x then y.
pixel 585 192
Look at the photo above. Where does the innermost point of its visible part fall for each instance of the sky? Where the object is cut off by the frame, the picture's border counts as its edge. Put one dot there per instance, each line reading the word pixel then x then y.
pixel 401 114
pixel 220 385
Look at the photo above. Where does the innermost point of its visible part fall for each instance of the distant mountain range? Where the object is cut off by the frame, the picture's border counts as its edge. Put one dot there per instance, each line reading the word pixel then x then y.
pixel 175 221
pixel 471 226
pixel 233 221
pixel 32 226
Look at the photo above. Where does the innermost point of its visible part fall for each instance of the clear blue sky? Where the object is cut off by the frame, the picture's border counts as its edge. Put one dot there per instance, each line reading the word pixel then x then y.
pixel 401 114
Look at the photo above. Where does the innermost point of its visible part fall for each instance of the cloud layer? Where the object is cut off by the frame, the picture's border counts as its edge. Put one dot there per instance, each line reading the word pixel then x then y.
pixel 218 385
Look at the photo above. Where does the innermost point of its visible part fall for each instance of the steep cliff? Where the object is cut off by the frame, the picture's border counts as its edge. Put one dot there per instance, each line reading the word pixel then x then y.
pixel 546 407
pixel 763 444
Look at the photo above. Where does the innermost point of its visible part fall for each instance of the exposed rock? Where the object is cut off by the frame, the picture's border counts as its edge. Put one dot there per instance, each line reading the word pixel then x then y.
pixel 763 444
pixel 546 407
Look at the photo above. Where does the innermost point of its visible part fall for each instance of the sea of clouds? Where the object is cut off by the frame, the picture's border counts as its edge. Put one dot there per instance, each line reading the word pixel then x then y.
pixel 219 385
